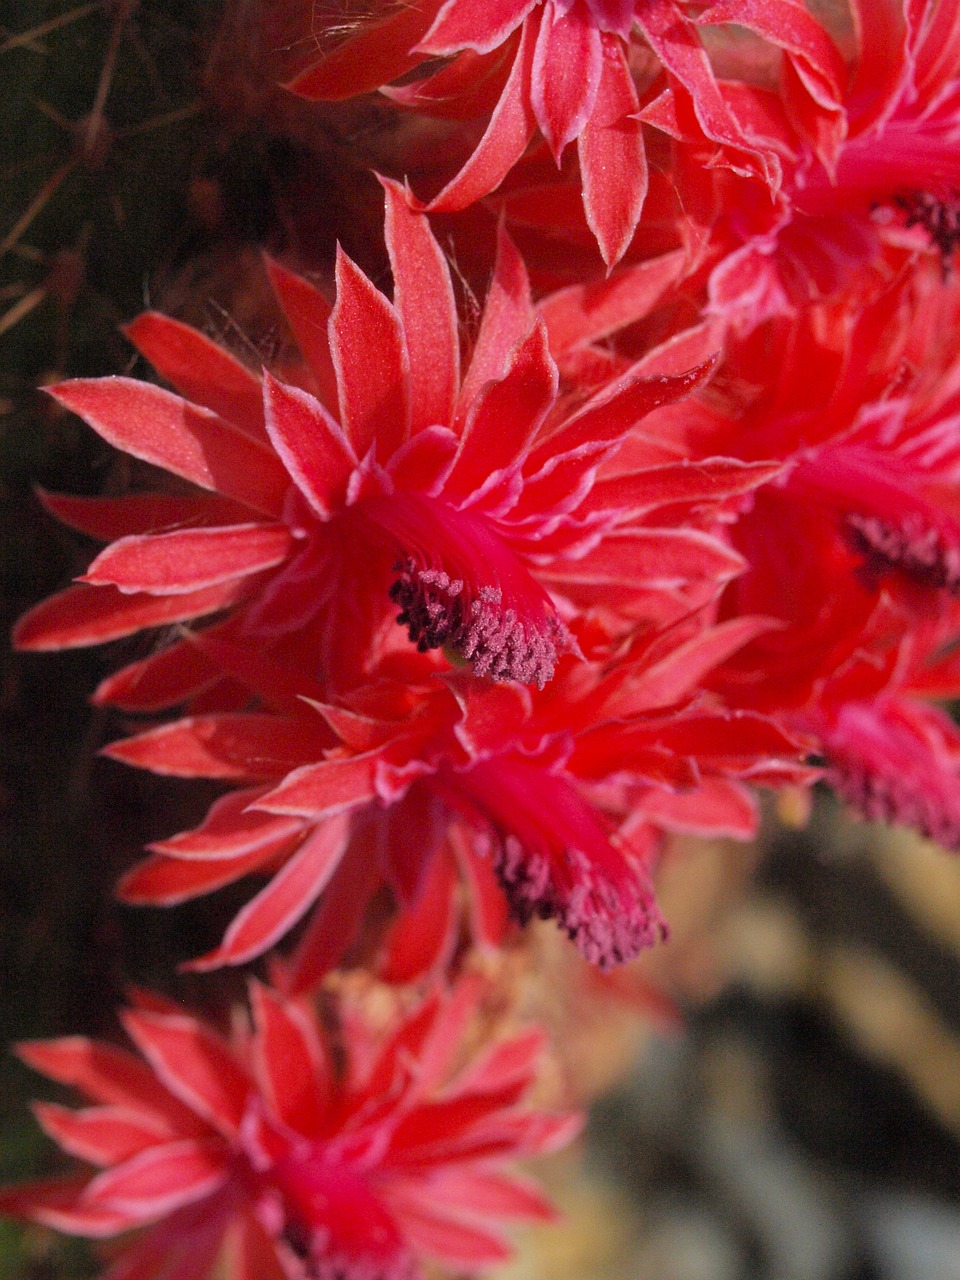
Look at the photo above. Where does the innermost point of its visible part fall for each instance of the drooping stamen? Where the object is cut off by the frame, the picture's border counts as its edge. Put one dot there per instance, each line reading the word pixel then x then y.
pixel 887 513
pixel 912 546
pixel 606 926
pixel 887 770
pixel 438 613
pixel 554 861
pixel 939 217
pixel 460 587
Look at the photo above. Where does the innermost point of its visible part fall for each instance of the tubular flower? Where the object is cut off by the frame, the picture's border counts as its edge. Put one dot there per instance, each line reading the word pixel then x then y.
pixel 565 68
pixel 440 492
pixel 898 168
pixel 285 1155
pixel 465 780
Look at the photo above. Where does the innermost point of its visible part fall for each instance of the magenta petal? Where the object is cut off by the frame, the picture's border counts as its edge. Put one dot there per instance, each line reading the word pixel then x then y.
pixel 335 922
pixel 674 40
pixel 506 416
pixel 158 1181
pixel 166 882
pixel 101 1135
pixel 481 25
pixel 241 746
pixel 510 129
pixel 195 443
pixel 423 297
pixel 308 315
pixel 567 66
pixel 613 159
pixel 110 1075
pixel 290 1061
pixel 85 615
pixel 311 443
pixel 507 319
pixel 366 342
pixel 586 313
pixel 109 518
pixel 285 900
pixel 189 560
pixel 378 53
pixel 194 1064
pixel 199 369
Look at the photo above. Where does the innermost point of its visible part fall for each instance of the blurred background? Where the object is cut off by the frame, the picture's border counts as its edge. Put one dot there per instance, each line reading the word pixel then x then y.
pixel 777 1092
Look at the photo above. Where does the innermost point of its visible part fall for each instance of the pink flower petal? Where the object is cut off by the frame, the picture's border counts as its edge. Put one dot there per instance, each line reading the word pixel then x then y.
pixel 507 319
pixel 232 829
pixel 585 313
pixel 506 416
pixel 674 40
pixel 312 444
pixel 567 65
pixel 320 790
pixel 290 1062
pixel 446 1236
pixel 423 297
pixel 244 746
pixel 56 1203
pixel 642 557
pixel 109 1075
pixel 373 374
pixel 194 1064
pixel 167 677
pixel 288 896
pixel 101 1135
pixel 160 427
pixel 335 922
pixel 166 882
pixel 702 483
pixel 421 939
pixel 165 1178
pixel 200 370
pixel 510 129
pixel 490 1194
pixel 474 24
pixel 308 315
pixel 109 518
pixel 85 615
pixel 189 560
pixel 613 158
pixel 378 53
pixel 718 808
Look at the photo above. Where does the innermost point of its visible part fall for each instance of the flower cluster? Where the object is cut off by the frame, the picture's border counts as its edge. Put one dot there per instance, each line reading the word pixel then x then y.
pixel 475 605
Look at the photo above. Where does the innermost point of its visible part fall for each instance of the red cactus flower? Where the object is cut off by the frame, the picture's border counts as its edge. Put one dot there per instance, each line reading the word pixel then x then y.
pixel 460 779
pixel 897 168
pixel 459 497
pixel 565 68
pixel 287 1155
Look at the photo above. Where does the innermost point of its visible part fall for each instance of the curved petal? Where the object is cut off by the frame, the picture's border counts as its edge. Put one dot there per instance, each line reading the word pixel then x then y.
pixel 313 446
pixel 285 900
pixel 423 297
pixel 613 159
pixel 189 560
pixel 373 373
pixel 567 66
pixel 195 443
pixel 199 369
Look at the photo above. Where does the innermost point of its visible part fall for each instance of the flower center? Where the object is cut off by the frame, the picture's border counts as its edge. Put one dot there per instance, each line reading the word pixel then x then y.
pixel 939 217
pixel 555 861
pixel 912 546
pixel 460 587
pixel 885 771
